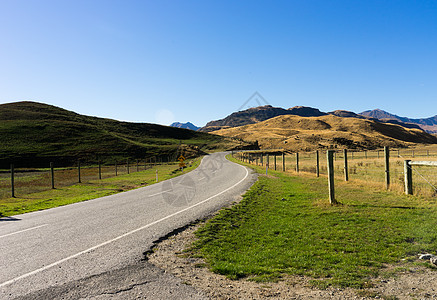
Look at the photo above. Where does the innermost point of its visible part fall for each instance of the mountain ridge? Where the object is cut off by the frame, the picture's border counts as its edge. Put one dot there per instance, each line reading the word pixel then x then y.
pixel 258 114
pixel 427 124
pixel 296 133
pixel 262 113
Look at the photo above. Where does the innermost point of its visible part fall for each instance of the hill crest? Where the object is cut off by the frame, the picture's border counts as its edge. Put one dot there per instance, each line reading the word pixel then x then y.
pixel 36 133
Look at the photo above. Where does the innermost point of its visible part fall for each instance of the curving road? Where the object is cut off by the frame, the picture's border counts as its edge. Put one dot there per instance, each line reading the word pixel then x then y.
pixel 95 249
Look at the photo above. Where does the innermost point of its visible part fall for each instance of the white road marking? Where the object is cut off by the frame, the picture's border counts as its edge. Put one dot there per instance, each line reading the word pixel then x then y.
pixel 119 237
pixel 162 192
pixel 36 227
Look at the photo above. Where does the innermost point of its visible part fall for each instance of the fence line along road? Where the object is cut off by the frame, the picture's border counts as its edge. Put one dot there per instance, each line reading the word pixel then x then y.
pixel 37 179
pixel 380 166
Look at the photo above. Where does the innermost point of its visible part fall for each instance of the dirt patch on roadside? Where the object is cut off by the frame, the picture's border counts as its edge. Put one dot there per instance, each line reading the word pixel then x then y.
pixel 414 283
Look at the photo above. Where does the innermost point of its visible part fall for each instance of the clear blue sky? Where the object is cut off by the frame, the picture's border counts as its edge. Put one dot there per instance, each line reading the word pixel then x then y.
pixel 161 61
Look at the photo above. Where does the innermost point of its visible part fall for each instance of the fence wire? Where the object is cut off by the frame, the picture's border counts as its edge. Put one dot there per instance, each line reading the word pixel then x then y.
pixel 28 181
pixel 364 166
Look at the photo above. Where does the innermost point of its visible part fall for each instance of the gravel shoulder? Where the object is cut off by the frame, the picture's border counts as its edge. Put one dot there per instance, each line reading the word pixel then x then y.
pixel 415 282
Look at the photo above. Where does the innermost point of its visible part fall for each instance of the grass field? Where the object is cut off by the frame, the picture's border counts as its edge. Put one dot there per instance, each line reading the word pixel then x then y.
pixel 67 192
pixel 284 225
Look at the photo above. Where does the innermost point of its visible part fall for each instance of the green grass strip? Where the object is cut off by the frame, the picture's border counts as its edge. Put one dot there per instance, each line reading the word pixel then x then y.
pixel 284 225
pixel 89 190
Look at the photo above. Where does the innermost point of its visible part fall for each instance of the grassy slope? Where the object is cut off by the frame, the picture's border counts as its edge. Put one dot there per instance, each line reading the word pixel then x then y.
pixel 309 133
pixel 31 131
pixel 89 190
pixel 264 237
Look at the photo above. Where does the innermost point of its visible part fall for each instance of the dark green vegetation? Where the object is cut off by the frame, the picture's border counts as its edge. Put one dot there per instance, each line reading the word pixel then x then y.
pixel 88 190
pixel 32 134
pixel 284 225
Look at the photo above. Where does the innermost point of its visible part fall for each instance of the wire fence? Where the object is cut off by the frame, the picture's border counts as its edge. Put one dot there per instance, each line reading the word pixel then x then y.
pixel 23 181
pixel 360 166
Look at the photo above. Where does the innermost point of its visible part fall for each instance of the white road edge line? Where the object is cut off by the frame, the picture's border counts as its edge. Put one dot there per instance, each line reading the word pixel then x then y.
pixel 120 237
pixel 36 227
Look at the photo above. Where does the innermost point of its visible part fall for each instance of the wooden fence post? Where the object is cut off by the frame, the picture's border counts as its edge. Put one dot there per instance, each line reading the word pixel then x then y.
pixel 330 158
pixel 12 181
pixel 317 164
pixel 365 153
pixel 346 169
pixel 116 171
pixel 283 162
pixel 78 171
pixel 297 162
pixel 262 162
pixel 267 161
pixel 52 175
pixel 387 166
pixel 127 165
pixel 274 158
pixel 100 169
pixel 408 178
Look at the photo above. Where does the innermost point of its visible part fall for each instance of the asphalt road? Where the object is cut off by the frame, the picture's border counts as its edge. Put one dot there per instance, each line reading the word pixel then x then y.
pixel 95 249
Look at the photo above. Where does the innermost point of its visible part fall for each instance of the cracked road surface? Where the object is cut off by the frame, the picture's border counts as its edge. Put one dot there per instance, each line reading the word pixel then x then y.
pixel 95 249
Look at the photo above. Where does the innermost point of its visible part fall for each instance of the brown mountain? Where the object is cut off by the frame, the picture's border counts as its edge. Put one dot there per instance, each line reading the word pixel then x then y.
pixel 298 133
pixel 259 114
pixel 346 114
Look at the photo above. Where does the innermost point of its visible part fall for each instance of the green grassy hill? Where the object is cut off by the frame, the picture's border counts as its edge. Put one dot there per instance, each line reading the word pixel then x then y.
pixel 32 134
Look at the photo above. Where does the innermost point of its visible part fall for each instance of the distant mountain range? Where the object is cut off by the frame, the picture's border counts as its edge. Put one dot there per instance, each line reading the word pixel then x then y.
pixel 427 124
pixel 187 125
pixel 262 113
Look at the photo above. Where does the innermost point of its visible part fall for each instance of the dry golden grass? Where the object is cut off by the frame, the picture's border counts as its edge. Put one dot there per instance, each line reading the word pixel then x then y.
pixel 367 168
pixel 297 133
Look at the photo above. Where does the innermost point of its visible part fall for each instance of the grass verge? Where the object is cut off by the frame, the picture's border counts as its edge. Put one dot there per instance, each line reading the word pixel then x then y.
pixel 89 190
pixel 284 225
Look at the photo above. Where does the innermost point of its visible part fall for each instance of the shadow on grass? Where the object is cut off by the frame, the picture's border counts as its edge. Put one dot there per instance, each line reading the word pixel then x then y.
pixel 383 206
